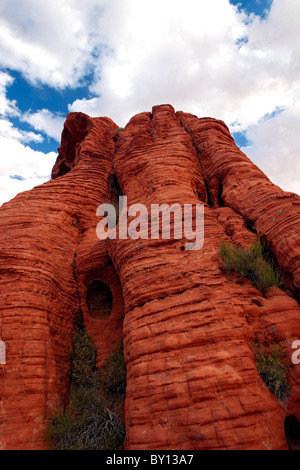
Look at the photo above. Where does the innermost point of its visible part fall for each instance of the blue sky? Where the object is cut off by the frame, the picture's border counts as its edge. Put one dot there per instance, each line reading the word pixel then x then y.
pixel 232 60
pixel 34 97
pixel 258 7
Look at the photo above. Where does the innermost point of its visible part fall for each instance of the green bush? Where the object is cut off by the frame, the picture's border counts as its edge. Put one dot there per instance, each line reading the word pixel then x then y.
pixel 250 263
pixel 88 425
pixel 83 362
pixel 91 421
pixel 113 373
pixel 59 431
pixel 273 369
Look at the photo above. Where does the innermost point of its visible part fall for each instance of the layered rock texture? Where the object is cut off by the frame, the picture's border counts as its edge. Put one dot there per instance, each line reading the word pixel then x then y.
pixel 188 327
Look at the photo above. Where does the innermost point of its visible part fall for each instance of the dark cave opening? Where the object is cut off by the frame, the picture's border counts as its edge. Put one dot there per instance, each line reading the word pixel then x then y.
pixel 99 299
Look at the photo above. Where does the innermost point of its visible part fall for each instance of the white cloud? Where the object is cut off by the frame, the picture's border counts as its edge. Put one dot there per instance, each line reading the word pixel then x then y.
pixel 162 52
pixel 166 52
pixel 7 107
pixel 45 121
pixel 9 187
pixel 200 56
pixel 47 41
pixel 276 148
pixel 207 60
pixel 10 132
pixel 18 159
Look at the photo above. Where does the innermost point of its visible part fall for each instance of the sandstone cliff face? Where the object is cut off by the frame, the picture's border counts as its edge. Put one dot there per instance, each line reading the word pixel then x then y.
pixel 50 255
pixel 187 326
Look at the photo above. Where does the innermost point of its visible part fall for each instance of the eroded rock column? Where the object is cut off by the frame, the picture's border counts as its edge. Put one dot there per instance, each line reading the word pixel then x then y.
pixel 192 380
pixel 45 235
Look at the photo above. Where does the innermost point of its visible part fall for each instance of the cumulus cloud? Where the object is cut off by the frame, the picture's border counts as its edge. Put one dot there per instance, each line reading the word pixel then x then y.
pixel 50 42
pixel 45 121
pixel 19 160
pixel 168 51
pixel 193 57
pixel 276 146
pixel 10 132
pixel 7 107
pixel 204 57
pixel 21 168
pixel 211 59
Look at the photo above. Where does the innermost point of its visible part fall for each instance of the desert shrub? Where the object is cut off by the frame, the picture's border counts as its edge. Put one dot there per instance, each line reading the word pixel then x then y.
pixel 83 362
pixel 88 425
pixel 91 421
pixel 59 431
pixel 250 263
pixel 113 373
pixel 273 368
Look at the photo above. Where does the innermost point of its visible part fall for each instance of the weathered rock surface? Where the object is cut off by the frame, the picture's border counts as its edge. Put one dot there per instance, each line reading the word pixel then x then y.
pixel 188 327
pixel 49 256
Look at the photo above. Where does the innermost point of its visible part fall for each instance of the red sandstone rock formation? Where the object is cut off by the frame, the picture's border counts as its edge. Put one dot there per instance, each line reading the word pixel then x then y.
pixel 50 256
pixel 187 326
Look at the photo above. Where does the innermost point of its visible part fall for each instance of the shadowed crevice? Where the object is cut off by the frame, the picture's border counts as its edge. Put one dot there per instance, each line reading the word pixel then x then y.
pixel 292 432
pixel 99 299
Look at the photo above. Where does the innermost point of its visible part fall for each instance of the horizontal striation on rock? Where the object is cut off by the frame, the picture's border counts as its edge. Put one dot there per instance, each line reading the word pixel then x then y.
pixel 42 232
pixel 188 327
pixel 273 212
pixel 192 380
